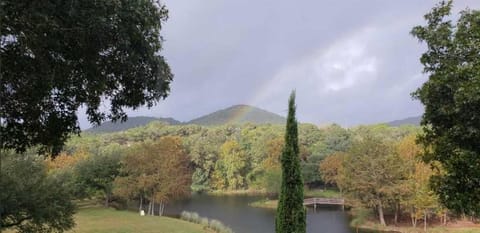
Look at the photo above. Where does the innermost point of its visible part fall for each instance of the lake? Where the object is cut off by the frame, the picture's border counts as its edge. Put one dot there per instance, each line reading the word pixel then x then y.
pixel 235 212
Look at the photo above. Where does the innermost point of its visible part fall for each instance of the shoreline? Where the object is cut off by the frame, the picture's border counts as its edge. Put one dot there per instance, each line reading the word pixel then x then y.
pixel 370 225
pixel 450 228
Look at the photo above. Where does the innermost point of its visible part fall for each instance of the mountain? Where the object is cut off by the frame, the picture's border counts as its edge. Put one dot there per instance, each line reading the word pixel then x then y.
pixel 239 114
pixel 407 121
pixel 131 122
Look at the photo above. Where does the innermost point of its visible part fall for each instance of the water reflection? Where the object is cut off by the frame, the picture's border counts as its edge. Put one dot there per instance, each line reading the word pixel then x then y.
pixel 235 212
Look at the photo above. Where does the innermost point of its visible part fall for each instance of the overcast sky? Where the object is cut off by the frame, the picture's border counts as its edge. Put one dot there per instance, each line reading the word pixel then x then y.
pixel 351 62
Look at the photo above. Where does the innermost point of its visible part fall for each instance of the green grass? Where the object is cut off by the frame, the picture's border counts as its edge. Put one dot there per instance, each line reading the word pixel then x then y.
pixel 268 204
pixel 101 220
pixel 328 193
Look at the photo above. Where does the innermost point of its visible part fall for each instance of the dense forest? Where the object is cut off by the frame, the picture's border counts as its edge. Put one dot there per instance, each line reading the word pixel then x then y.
pixel 376 167
pixel 250 151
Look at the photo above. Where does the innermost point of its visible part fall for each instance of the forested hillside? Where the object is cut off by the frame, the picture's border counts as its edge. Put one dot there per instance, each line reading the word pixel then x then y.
pixel 131 122
pixel 406 121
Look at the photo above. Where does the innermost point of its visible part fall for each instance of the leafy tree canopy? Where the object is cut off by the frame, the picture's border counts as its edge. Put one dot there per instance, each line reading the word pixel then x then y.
pixel 452 104
pixel 57 56
pixel 32 200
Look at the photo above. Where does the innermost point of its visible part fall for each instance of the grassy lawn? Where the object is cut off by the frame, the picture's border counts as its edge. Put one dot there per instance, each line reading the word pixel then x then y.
pixel 328 193
pixel 99 220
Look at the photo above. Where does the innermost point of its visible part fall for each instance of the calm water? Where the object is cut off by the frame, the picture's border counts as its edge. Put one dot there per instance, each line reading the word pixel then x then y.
pixel 235 212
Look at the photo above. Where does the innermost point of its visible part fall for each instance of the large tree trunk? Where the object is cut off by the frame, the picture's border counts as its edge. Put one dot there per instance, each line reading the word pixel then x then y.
pixel 107 200
pixel 149 211
pixel 380 214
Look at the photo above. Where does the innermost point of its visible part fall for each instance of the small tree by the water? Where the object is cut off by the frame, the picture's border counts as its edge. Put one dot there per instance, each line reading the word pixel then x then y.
pixel 291 217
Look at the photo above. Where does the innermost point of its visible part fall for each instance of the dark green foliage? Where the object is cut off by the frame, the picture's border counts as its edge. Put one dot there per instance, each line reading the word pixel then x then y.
pixel 309 167
pixel 59 55
pixel 452 104
pixel 131 122
pixel 30 199
pixel 291 216
pixel 98 172
pixel 239 114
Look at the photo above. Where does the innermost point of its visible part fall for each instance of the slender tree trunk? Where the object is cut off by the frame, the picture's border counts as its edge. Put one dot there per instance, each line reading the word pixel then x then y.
pixel 424 220
pixel 153 208
pixel 396 213
pixel 445 218
pixel 413 216
pixel 380 214
pixel 162 207
pixel 141 204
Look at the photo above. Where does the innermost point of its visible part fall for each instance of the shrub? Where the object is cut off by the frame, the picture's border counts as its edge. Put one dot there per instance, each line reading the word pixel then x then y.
pixel 213 224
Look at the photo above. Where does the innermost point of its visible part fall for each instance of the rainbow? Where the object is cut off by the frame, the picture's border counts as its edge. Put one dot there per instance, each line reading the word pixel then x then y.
pixel 239 114
pixel 260 94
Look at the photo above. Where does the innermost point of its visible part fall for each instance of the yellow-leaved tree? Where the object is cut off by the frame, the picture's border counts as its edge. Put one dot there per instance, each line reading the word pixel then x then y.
pixel 158 172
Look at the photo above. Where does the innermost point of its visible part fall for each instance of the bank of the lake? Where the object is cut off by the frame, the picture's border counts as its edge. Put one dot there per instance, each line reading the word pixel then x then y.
pixel 372 226
pixel 451 228
pixel 103 220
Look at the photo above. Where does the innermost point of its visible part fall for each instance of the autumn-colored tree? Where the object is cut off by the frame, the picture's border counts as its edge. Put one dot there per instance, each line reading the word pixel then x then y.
pixel 274 151
pixel 423 199
pixel 64 160
pixel 371 173
pixel 158 171
pixel 231 168
pixel 271 179
pixel 330 166
pixel 419 198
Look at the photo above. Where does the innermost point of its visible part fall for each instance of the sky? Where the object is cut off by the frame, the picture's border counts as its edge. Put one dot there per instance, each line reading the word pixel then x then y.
pixel 351 62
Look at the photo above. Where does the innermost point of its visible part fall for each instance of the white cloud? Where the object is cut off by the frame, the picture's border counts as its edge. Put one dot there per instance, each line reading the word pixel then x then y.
pixel 341 65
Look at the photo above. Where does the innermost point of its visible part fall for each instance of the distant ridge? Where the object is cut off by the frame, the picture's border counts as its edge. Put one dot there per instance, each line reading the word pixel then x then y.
pixel 407 121
pixel 239 114
pixel 132 122
pixel 232 115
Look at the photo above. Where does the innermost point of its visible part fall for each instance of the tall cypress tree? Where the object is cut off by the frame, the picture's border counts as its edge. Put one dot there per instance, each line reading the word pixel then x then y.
pixel 290 217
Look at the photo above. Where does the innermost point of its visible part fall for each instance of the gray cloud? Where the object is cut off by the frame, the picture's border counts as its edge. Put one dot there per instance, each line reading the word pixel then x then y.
pixel 351 62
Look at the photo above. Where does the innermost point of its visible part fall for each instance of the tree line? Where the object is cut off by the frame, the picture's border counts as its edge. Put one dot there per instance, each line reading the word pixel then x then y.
pixel 240 157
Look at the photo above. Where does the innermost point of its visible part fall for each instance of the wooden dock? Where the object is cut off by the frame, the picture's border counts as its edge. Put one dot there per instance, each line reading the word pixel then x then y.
pixel 323 201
